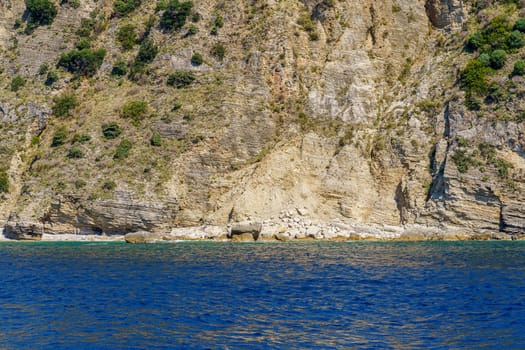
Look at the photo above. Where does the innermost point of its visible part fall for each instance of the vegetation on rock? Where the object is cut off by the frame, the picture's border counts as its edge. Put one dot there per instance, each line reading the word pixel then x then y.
pixel 84 62
pixel 40 12
pixel 175 14
pixel 180 78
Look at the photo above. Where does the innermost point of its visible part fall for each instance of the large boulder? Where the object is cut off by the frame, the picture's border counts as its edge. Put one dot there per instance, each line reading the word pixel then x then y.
pixel 247 227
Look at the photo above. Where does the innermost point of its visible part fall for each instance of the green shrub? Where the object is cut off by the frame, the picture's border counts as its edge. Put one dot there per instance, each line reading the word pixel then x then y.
pixel 81 138
pixel 75 153
pixel 484 58
pixel 64 104
pixel 59 138
pixel 156 140
pixel 120 68
pixel 497 59
pixel 123 149
pixel 127 36
pixel 520 25
pixel 516 40
pixel 43 69
pixel 503 167
pixel 180 78
pixel 473 77
pixel 40 12
pixel 17 82
pixel 83 44
pixel 147 52
pixel 123 7
pixel 134 109
pixel 52 77
pixel 196 59
pixel 86 27
pixel 219 51
pixel 84 62
pixel 519 68
pixel 495 35
pixel 462 160
pixel 4 182
pixel 111 131
pixel 174 17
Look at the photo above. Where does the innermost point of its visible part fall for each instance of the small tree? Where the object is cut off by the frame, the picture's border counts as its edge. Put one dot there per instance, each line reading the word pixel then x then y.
pixel 147 52
pixel 84 62
pixel 123 7
pixel 174 17
pixel 40 12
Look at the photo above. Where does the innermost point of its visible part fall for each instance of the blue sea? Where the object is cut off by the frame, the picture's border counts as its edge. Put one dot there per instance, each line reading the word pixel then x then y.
pixel 315 295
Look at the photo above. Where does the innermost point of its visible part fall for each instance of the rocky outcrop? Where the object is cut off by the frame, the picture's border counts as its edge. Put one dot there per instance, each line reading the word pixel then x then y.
pixel 24 231
pixel 323 120
pixel 446 13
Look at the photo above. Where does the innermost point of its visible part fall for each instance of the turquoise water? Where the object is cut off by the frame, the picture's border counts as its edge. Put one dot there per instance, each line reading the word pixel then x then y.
pixel 437 295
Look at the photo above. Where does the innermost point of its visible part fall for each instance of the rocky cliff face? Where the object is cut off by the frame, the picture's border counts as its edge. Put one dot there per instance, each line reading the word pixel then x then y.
pixel 346 111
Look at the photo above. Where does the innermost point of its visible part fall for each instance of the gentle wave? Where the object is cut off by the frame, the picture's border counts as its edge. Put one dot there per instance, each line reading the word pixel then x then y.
pixel 288 295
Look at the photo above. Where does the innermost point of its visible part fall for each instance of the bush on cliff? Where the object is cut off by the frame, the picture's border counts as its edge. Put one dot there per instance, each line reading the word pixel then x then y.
pixel 123 7
pixel 473 77
pixel 64 104
pixel 180 78
pixel 40 12
pixel 84 62
pixel 111 131
pixel 134 109
pixel 59 138
pixel 127 36
pixel 17 82
pixel 174 17
pixel 123 149
pixel 4 182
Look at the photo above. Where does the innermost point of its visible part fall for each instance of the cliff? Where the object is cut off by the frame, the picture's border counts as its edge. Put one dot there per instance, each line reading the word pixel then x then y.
pixel 294 113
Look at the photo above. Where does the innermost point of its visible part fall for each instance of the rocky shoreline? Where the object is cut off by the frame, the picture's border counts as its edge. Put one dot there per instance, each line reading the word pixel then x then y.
pixel 288 229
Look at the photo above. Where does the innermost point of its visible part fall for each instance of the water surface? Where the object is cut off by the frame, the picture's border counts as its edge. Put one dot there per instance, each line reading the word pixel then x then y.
pixel 319 295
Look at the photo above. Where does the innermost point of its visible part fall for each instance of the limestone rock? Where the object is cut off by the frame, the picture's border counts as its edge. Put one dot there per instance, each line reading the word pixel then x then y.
pixel 143 237
pixel 23 231
pixel 246 228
